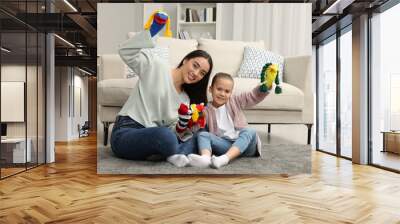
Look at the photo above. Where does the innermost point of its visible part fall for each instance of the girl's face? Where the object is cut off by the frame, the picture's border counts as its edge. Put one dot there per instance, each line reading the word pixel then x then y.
pixel 194 69
pixel 221 91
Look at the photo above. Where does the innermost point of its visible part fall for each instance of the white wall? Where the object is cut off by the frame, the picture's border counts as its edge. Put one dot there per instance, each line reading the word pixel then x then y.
pixel 33 127
pixel 67 81
pixel 80 82
pixel 15 72
pixel 114 21
pixel 285 28
pixel 62 82
pixel 12 101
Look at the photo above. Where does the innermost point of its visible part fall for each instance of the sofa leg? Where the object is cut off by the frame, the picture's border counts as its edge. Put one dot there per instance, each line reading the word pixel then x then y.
pixel 106 125
pixel 269 128
pixel 309 126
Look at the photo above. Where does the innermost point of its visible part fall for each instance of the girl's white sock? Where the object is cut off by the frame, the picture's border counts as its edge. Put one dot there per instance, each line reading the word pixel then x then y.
pixel 178 160
pixel 199 161
pixel 219 161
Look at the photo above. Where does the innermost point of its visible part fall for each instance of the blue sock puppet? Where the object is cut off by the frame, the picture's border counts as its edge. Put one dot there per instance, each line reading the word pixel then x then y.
pixel 156 22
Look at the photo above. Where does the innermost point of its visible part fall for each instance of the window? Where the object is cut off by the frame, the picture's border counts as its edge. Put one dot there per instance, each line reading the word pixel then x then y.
pixel 329 112
pixel 385 85
pixel 346 94
pixel 22 65
pixel 327 97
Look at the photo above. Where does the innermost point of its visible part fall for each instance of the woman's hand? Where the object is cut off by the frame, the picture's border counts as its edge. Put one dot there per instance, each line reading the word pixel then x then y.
pixel 184 115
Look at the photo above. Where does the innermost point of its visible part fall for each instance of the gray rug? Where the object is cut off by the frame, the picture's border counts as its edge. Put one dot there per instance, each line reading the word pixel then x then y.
pixel 276 159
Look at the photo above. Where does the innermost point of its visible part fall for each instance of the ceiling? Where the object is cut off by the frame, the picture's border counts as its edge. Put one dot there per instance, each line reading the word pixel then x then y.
pixel 76 22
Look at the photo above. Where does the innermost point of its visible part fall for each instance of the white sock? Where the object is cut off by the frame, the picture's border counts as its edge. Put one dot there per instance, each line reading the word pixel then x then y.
pixel 199 161
pixel 178 160
pixel 219 161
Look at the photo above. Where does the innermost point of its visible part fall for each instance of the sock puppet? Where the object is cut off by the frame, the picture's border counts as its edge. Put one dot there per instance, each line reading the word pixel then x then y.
pixel 157 21
pixel 184 114
pixel 191 119
pixel 269 75
pixel 198 118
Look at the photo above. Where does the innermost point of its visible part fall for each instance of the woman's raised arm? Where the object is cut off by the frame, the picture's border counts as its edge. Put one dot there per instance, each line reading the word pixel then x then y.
pixel 132 54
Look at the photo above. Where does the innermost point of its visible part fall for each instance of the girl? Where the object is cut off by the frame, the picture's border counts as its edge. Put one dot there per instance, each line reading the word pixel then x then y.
pixel 145 126
pixel 228 136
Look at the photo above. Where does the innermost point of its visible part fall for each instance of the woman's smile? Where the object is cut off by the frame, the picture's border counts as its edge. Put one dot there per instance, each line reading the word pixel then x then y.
pixel 191 77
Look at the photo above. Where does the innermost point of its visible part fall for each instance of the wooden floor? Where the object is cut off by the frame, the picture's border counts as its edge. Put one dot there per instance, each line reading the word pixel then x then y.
pixel 10 171
pixel 70 191
pixel 386 159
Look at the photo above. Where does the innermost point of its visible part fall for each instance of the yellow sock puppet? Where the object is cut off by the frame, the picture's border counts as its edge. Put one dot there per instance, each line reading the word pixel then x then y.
pixel 269 75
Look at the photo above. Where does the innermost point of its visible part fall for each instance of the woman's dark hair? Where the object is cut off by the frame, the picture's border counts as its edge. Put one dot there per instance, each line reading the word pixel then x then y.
pixel 221 75
pixel 198 91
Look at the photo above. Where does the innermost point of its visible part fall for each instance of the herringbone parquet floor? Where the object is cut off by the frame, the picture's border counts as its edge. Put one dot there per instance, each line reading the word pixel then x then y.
pixel 70 191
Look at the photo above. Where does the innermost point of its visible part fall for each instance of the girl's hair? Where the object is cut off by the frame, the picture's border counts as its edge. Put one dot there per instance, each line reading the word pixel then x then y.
pixel 198 91
pixel 221 75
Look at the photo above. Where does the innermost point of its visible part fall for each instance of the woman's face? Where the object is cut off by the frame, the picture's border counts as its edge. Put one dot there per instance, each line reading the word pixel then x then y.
pixel 194 69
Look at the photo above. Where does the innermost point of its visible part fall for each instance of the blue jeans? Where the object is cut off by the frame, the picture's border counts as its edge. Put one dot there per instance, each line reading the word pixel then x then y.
pixel 246 142
pixel 131 140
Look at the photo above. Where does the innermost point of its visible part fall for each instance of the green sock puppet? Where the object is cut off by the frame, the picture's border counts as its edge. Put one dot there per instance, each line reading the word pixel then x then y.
pixel 269 75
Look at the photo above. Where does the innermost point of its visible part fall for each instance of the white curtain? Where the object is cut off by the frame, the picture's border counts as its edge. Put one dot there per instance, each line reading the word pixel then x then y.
pixel 285 28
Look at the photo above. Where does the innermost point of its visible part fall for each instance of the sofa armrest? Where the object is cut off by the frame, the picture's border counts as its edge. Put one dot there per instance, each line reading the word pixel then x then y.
pixel 298 73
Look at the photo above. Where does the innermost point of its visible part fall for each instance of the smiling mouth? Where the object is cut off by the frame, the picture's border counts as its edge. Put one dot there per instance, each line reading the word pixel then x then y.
pixel 191 77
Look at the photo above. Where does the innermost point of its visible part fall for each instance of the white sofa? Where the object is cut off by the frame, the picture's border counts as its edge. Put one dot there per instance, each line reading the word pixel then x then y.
pixel 293 106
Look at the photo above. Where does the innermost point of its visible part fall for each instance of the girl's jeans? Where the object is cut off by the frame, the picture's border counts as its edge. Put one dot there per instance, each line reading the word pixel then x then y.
pixel 246 142
pixel 131 140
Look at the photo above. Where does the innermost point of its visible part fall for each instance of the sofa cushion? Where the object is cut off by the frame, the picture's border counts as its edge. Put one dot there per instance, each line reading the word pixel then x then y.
pixel 254 60
pixel 291 98
pixel 115 92
pixel 111 67
pixel 161 52
pixel 177 48
pixel 227 55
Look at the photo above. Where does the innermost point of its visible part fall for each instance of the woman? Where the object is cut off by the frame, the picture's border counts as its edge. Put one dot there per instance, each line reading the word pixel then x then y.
pixel 146 123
